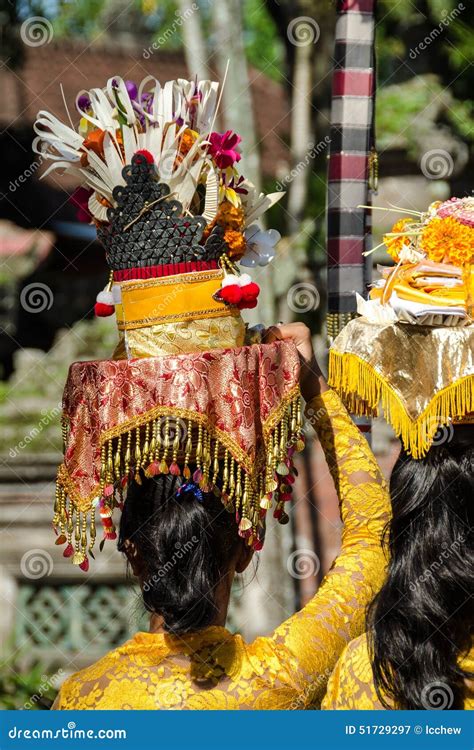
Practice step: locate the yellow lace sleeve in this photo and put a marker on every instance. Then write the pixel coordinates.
(310, 642)
(351, 685)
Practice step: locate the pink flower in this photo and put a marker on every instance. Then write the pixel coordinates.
(223, 148)
(461, 209)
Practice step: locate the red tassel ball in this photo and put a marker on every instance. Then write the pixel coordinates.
(247, 304)
(250, 291)
(231, 294)
(103, 311)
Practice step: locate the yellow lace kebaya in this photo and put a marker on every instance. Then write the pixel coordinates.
(214, 669)
(351, 686)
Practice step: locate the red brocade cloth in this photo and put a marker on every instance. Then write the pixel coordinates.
(238, 395)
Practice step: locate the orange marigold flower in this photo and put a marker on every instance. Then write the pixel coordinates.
(447, 240)
(186, 141)
(235, 241)
(230, 216)
(394, 245)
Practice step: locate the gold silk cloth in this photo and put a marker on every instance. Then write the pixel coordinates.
(175, 314)
(232, 413)
(182, 337)
(422, 376)
(351, 685)
(289, 669)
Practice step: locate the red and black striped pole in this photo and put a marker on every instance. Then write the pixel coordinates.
(352, 160)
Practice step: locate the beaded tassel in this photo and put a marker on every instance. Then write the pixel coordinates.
(174, 468)
(118, 459)
(146, 446)
(138, 456)
(78, 556)
(164, 469)
(188, 449)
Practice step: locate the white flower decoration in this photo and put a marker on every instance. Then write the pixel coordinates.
(260, 246)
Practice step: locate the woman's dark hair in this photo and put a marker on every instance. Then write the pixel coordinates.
(421, 621)
(184, 549)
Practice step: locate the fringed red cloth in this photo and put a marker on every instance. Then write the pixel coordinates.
(230, 419)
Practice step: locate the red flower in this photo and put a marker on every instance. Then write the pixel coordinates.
(223, 148)
(80, 199)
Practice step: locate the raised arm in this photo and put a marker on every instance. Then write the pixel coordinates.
(309, 643)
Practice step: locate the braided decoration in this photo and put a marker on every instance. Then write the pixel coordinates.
(138, 237)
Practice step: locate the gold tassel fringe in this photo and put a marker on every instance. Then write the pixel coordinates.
(169, 444)
(363, 389)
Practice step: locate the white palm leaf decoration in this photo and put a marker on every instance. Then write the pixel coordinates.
(255, 204)
(165, 103)
(114, 163)
(184, 180)
(169, 151)
(184, 183)
(211, 202)
(96, 208)
(154, 121)
(151, 140)
(116, 88)
(56, 141)
(155, 93)
(130, 143)
(103, 111)
(207, 105)
(100, 184)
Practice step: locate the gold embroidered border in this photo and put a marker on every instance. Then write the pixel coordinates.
(178, 317)
(182, 278)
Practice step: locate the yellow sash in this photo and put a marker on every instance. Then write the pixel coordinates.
(170, 299)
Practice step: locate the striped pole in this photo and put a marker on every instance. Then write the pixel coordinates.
(352, 160)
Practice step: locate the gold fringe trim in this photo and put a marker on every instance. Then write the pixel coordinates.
(179, 441)
(363, 389)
